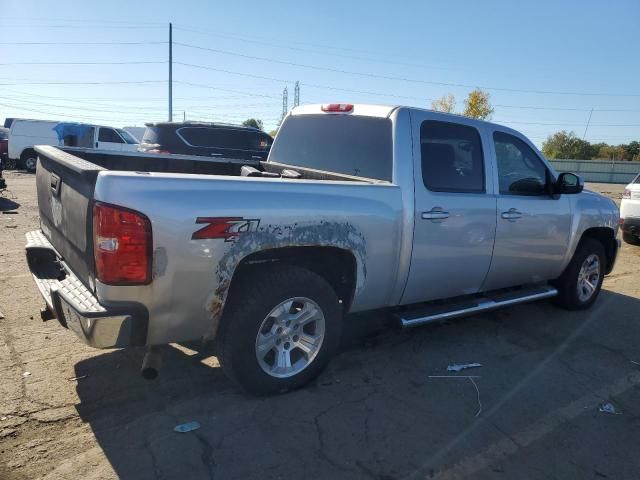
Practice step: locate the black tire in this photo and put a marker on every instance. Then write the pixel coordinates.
(567, 284)
(29, 160)
(9, 164)
(252, 298)
(630, 238)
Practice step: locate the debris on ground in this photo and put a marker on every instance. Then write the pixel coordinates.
(10, 212)
(11, 226)
(1, 315)
(186, 427)
(78, 378)
(26, 374)
(609, 408)
(464, 366)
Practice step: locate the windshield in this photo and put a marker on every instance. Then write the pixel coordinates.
(130, 139)
(353, 145)
(4, 133)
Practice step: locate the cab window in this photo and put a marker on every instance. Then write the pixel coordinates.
(520, 170)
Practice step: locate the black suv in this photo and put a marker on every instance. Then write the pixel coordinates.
(206, 139)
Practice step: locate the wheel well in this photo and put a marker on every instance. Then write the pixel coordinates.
(606, 237)
(336, 265)
(25, 152)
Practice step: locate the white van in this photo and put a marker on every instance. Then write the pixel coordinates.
(25, 134)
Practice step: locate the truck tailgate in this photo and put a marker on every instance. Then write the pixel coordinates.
(65, 185)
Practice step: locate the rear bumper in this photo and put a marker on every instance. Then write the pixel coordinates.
(631, 225)
(75, 306)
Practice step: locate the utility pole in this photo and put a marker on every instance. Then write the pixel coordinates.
(184, 116)
(296, 95)
(285, 103)
(588, 122)
(170, 72)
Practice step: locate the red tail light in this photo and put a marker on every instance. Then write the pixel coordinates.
(337, 108)
(122, 245)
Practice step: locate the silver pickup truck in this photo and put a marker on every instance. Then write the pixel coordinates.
(358, 207)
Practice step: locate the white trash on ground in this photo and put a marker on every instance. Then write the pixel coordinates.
(464, 366)
(186, 427)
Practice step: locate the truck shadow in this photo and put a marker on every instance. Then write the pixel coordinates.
(7, 204)
(374, 413)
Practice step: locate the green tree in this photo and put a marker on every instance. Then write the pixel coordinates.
(632, 150)
(273, 133)
(612, 152)
(252, 122)
(566, 145)
(445, 103)
(477, 105)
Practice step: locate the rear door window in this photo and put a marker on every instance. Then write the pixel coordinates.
(451, 157)
(109, 135)
(348, 144)
(208, 137)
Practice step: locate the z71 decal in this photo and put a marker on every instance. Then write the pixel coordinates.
(227, 228)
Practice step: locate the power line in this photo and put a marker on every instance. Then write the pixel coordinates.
(201, 85)
(123, 82)
(365, 92)
(85, 63)
(85, 26)
(83, 108)
(401, 79)
(64, 115)
(80, 43)
(307, 50)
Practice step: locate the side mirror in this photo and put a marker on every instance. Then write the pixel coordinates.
(569, 183)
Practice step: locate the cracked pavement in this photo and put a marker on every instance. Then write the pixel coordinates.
(373, 414)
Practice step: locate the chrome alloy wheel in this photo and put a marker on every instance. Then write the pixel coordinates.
(290, 337)
(588, 277)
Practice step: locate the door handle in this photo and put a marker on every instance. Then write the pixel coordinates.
(435, 214)
(511, 214)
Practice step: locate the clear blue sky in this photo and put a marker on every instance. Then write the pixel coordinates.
(517, 50)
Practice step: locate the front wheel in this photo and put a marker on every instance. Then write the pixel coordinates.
(580, 284)
(280, 328)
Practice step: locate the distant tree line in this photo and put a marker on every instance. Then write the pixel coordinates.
(566, 145)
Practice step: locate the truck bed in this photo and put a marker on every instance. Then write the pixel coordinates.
(66, 181)
(147, 162)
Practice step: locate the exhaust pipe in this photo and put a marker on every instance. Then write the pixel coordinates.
(151, 364)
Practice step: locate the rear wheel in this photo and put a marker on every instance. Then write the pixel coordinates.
(30, 160)
(280, 328)
(580, 284)
(630, 238)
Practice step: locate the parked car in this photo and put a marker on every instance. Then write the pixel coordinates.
(4, 149)
(206, 139)
(25, 134)
(630, 212)
(358, 207)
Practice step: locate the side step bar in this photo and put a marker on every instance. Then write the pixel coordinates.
(439, 312)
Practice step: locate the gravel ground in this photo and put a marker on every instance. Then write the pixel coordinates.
(68, 411)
